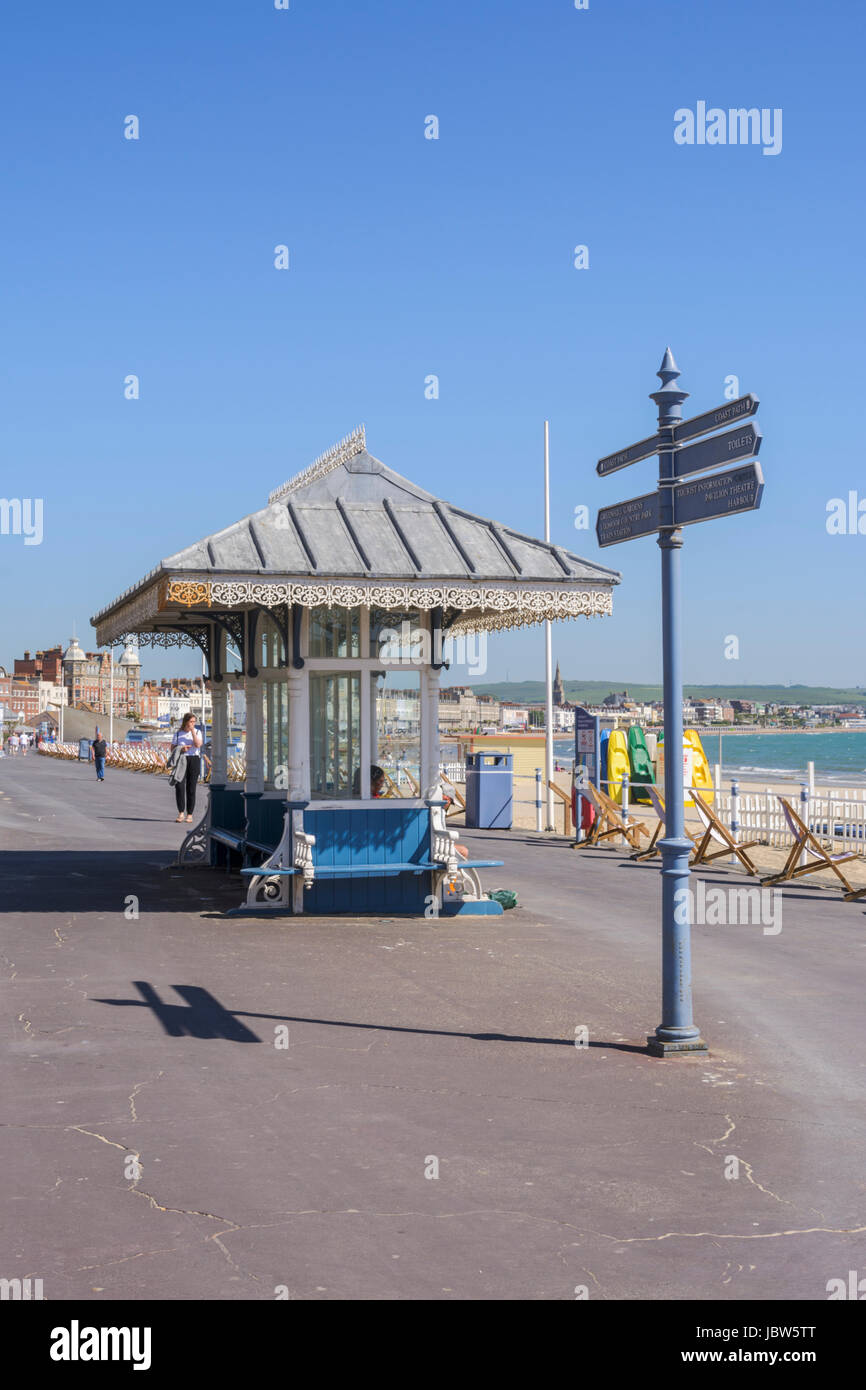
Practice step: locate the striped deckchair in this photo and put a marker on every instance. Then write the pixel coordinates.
(659, 808)
(608, 821)
(716, 831)
(805, 843)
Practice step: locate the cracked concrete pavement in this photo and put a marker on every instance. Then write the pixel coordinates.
(142, 1063)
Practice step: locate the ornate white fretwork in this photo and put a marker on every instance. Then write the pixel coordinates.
(485, 606)
(352, 444)
(453, 882)
(137, 610)
(275, 891)
(195, 850)
(480, 607)
(150, 639)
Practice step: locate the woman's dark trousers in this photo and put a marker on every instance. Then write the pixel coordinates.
(185, 791)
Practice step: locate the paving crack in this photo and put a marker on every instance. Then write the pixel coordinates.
(735, 1235)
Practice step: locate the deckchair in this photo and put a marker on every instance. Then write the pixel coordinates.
(805, 843)
(608, 820)
(714, 829)
(659, 808)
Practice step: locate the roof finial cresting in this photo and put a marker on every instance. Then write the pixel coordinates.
(347, 448)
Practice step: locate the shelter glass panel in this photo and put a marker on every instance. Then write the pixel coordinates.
(275, 715)
(398, 730)
(399, 635)
(335, 632)
(335, 735)
(270, 642)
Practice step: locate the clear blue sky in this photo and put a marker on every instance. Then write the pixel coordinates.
(410, 257)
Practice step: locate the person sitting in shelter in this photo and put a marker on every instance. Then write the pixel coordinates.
(377, 781)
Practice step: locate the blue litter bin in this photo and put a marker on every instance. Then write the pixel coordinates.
(489, 790)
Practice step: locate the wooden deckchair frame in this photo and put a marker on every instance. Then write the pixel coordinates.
(459, 803)
(608, 816)
(718, 831)
(805, 842)
(658, 806)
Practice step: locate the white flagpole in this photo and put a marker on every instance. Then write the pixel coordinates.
(548, 643)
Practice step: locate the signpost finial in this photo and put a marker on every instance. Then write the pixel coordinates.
(670, 398)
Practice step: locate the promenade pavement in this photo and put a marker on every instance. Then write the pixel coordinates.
(158, 1144)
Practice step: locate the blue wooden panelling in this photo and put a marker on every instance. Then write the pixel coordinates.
(265, 820)
(228, 811)
(369, 835)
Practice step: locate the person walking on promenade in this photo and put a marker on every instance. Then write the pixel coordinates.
(188, 741)
(12, 744)
(23, 744)
(100, 751)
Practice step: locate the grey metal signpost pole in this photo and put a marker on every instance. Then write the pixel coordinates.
(677, 1031)
(681, 500)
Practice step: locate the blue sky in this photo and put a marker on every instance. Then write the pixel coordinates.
(452, 257)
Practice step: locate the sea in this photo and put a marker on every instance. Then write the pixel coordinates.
(839, 757)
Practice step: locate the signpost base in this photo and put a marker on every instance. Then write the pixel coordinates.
(666, 1047)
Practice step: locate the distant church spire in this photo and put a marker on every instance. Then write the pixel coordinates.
(558, 692)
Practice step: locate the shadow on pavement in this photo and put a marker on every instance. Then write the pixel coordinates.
(99, 880)
(203, 1016)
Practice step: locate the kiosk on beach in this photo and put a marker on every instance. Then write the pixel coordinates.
(297, 605)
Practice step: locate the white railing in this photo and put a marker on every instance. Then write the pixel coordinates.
(837, 818)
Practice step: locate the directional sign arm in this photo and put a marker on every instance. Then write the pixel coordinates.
(644, 449)
(740, 443)
(719, 494)
(727, 414)
(640, 516)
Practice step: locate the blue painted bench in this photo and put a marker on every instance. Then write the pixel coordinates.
(369, 859)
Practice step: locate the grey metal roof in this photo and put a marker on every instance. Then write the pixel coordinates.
(350, 517)
(361, 519)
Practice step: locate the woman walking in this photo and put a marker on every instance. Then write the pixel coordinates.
(188, 741)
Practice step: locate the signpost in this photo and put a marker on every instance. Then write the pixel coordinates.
(676, 504)
(740, 409)
(633, 454)
(639, 517)
(741, 443)
(720, 494)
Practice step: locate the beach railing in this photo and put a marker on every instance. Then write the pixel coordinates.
(837, 818)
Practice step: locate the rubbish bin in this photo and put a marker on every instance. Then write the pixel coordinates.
(489, 790)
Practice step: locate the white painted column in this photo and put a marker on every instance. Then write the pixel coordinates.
(255, 778)
(297, 788)
(374, 724)
(364, 729)
(219, 732)
(429, 771)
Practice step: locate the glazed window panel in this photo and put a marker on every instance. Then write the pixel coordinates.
(270, 642)
(398, 634)
(335, 735)
(335, 632)
(275, 715)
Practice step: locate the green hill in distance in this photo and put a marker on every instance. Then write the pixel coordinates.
(593, 692)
